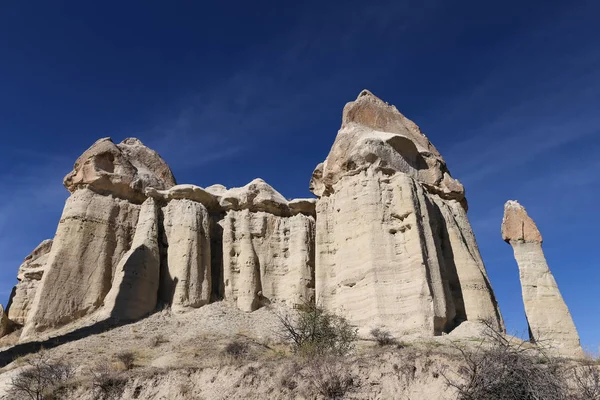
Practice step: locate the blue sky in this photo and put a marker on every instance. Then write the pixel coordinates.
(230, 91)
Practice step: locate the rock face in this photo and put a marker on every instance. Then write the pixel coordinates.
(186, 280)
(135, 284)
(547, 314)
(4, 323)
(387, 242)
(29, 276)
(95, 231)
(394, 247)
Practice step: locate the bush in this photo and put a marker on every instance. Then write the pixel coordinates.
(39, 377)
(330, 377)
(502, 369)
(107, 383)
(313, 331)
(236, 349)
(383, 338)
(587, 382)
(127, 358)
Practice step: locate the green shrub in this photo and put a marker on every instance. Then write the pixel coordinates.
(314, 331)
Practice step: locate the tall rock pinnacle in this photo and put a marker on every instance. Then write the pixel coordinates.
(547, 314)
(394, 247)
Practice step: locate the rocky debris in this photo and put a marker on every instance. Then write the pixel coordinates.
(394, 248)
(548, 316)
(267, 258)
(135, 285)
(29, 276)
(122, 170)
(186, 270)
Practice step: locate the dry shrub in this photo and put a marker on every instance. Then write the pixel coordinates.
(330, 377)
(107, 383)
(315, 332)
(587, 382)
(502, 368)
(157, 340)
(237, 349)
(39, 377)
(383, 338)
(127, 358)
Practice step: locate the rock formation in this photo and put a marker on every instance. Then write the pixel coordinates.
(29, 276)
(387, 242)
(394, 247)
(134, 289)
(95, 230)
(547, 314)
(4, 322)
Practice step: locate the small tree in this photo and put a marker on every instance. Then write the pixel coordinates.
(314, 331)
(39, 377)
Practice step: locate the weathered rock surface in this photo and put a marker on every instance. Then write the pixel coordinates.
(547, 314)
(4, 322)
(375, 135)
(134, 290)
(123, 170)
(93, 234)
(29, 276)
(267, 258)
(394, 247)
(186, 270)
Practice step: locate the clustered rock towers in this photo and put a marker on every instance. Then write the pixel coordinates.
(387, 240)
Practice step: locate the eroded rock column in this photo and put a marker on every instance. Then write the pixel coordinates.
(548, 316)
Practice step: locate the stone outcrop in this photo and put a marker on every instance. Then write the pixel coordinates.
(122, 170)
(29, 276)
(95, 231)
(186, 278)
(547, 314)
(387, 241)
(135, 284)
(4, 323)
(394, 247)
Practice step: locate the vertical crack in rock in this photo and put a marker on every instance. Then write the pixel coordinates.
(135, 285)
(548, 316)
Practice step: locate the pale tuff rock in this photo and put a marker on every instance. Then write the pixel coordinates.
(93, 234)
(186, 271)
(4, 323)
(303, 206)
(394, 248)
(267, 258)
(135, 285)
(547, 314)
(187, 192)
(29, 276)
(375, 135)
(255, 196)
(517, 225)
(123, 170)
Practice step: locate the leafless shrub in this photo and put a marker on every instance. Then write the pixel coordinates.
(127, 358)
(587, 382)
(107, 383)
(313, 331)
(330, 377)
(157, 340)
(39, 377)
(383, 338)
(236, 349)
(501, 368)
